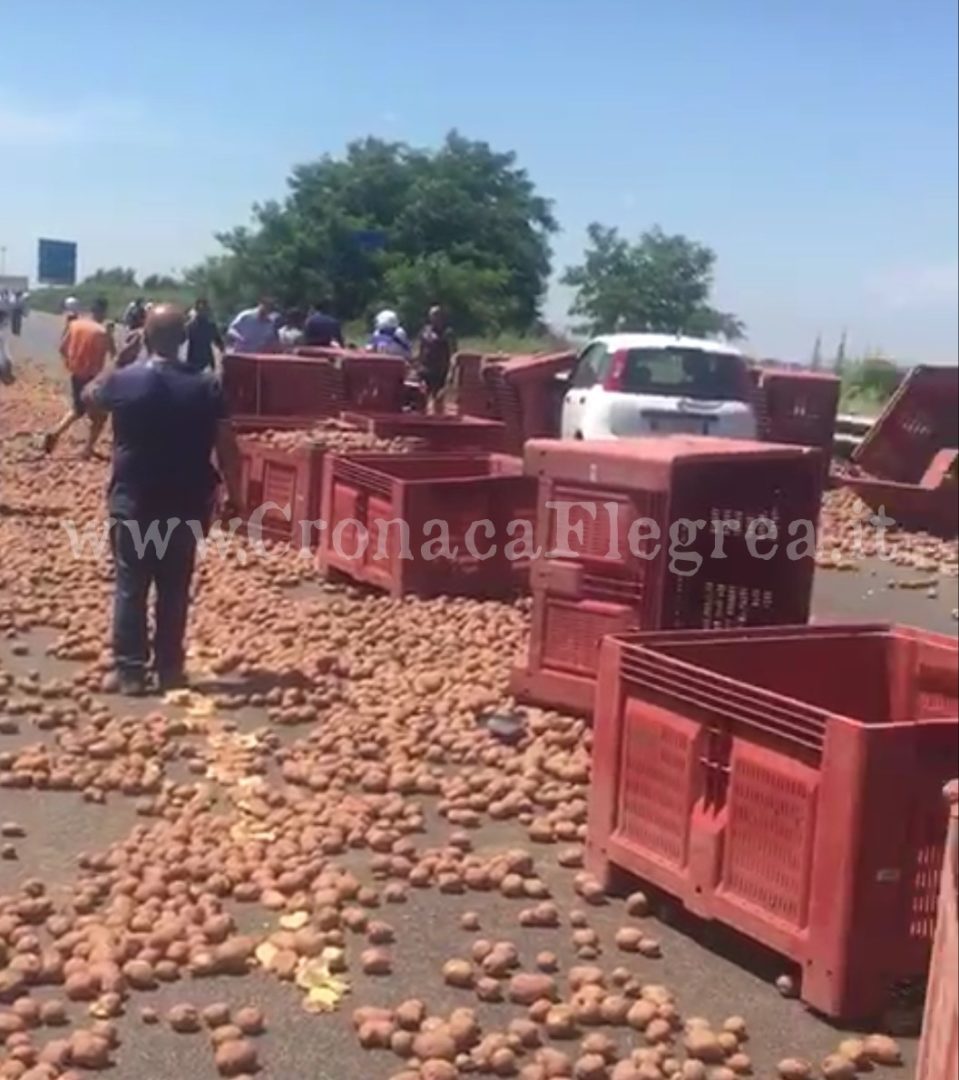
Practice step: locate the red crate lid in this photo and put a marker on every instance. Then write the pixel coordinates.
(536, 366)
(790, 375)
(646, 462)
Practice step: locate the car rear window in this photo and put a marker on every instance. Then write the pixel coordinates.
(690, 373)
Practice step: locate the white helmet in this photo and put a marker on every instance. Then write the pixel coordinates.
(71, 305)
(386, 321)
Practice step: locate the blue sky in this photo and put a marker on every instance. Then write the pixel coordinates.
(812, 144)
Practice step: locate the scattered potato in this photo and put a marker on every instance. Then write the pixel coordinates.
(882, 1050)
(794, 1069)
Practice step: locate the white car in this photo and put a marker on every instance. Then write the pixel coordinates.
(627, 385)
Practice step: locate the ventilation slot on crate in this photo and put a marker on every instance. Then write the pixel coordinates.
(772, 820)
(657, 789)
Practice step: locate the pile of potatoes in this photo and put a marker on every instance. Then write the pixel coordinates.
(337, 436)
(371, 714)
(847, 534)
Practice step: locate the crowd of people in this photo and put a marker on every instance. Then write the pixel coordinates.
(155, 375)
(264, 329)
(90, 342)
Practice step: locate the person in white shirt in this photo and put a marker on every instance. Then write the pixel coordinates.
(291, 332)
(254, 330)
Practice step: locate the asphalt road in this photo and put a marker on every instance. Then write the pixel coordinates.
(303, 1047)
(713, 977)
(39, 340)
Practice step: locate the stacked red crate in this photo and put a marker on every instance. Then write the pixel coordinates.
(276, 389)
(369, 381)
(663, 533)
(527, 393)
(798, 407)
(472, 394)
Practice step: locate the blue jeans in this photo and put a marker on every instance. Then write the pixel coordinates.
(141, 562)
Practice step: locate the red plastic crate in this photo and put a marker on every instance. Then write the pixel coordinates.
(251, 425)
(931, 505)
(368, 381)
(572, 612)
(535, 367)
(277, 386)
(921, 418)
(939, 1045)
(785, 782)
(528, 393)
(472, 394)
(799, 407)
(700, 478)
(241, 384)
(283, 490)
(364, 492)
(662, 481)
(507, 406)
(437, 432)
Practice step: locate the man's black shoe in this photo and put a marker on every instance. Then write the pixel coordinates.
(131, 684)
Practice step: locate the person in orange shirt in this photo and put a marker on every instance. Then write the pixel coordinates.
(86, 345)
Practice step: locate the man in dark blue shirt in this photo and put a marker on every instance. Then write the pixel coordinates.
(167, 422)
(321, 330)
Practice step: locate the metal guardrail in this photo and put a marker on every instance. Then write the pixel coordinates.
(853, 424)
(851, 429)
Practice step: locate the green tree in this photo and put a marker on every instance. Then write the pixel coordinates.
(157, 282)
(661, 283)
(871, 380)
(115, 275)
(395, 225)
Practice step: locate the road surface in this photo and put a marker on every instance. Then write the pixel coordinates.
(39, 340)
(299, 1046)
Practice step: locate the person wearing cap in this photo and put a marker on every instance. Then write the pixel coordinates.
(388, 336)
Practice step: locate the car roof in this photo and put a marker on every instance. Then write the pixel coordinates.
(615, 342)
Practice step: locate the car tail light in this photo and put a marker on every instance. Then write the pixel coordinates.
(616, 376)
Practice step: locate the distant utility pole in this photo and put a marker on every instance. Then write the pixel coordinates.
(3, 260)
